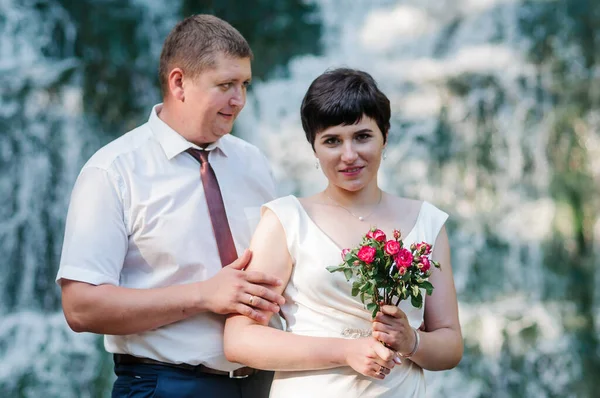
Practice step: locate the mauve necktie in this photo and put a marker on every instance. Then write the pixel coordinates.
(216, 208)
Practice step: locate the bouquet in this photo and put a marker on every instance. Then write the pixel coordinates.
(384, 269)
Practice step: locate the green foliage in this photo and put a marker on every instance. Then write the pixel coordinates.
(387, 272)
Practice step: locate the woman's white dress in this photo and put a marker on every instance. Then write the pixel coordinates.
(319, 303)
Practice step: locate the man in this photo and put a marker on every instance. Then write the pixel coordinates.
(144, 240)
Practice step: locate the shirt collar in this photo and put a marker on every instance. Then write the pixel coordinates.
(172, 142)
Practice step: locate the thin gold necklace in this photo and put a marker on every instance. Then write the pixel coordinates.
(360, 218)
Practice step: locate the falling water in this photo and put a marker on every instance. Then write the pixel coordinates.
(476, 130)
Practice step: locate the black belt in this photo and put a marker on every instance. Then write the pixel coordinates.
(124, 359)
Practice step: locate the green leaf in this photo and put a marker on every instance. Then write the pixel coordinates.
(348, 273)
(355, 289)
(334, 268)
(417, 301)
(374, 308)
(428, 287)
(374, 312)
(365, 286)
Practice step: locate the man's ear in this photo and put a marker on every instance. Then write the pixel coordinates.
(176, 84)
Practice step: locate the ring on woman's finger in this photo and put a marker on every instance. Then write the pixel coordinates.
(381, 368)
(251, 301)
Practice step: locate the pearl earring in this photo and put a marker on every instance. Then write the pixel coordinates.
(383, 155)
(317, 164)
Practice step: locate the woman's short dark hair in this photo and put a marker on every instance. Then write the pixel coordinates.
(194, 43)
(342, 97)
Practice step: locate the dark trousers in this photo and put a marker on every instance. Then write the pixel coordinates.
(156, 381)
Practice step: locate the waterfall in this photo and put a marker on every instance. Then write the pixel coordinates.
(478, 128)
(472, 124)
(43, 138)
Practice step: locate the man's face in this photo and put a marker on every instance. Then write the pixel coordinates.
(215, 97)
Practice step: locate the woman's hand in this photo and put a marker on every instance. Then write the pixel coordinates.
(392, 328)
(369, 357)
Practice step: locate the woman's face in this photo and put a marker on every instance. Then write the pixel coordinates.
(350, 155)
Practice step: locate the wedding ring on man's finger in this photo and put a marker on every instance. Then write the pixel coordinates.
(251, 301)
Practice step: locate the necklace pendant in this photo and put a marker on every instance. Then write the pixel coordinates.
(361, 219)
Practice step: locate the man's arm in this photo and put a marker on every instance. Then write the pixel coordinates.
(109, 309)
(94, 249)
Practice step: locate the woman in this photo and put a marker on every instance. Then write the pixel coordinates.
(331, 347)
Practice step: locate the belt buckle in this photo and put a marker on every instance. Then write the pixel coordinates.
(232, 375)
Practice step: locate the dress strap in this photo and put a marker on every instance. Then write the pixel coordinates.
(287, 211)
(432, 221)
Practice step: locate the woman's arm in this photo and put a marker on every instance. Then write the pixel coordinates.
(441, 344)
(257, 345)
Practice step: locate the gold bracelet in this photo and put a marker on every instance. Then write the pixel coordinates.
(415, 348)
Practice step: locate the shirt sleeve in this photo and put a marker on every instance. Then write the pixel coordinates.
(271, 184)
(96, 238)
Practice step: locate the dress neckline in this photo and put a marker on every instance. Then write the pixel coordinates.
(334, 243)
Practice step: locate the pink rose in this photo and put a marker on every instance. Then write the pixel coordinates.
(344, 253)
(378, 235)
(425, 264)
(402, 271)
(397, 234)
(404, 258)
(424, 248)
(392, 247)
(366, 254)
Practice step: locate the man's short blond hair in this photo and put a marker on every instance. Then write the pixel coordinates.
(194, 43)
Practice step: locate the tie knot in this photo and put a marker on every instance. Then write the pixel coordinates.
(199, 155)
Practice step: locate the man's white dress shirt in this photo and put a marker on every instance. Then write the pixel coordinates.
(138, 219)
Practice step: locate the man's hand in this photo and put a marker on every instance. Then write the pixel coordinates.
(233, 290)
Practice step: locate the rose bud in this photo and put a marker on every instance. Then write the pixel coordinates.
(377, 234)
(424, 264)
(345, 253)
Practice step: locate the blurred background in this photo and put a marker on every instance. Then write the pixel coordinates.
(495, 120)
